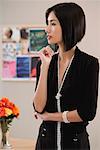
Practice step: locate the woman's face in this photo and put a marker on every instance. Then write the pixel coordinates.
(53, 30)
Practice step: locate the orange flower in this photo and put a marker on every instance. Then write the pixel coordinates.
(8, 108)
(15, 111)
(2, 112)
(8, 112)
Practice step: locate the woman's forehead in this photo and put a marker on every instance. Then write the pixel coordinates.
(52, 17)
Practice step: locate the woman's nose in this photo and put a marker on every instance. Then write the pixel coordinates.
(47, 29)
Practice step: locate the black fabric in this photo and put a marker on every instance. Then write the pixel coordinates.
(79, 91)
(70, 140)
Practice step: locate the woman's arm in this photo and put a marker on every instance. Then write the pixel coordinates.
(89, 95)
(40, 95)
(72, 116)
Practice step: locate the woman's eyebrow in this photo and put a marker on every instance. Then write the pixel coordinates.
(52, 20)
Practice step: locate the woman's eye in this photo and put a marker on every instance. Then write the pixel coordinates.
(53, 24)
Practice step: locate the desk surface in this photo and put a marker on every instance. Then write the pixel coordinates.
(22, 144)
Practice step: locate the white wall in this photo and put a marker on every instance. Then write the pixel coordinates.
(31, 12)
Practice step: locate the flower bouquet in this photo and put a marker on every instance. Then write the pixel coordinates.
(8, 111)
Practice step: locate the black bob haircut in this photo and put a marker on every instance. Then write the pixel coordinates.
(72, 20)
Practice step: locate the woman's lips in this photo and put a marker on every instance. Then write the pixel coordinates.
(49, 37)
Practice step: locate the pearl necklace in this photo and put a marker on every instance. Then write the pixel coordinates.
(62, 82)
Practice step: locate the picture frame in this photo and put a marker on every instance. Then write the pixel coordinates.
(20, 45)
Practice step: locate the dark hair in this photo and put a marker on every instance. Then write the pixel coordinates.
(10, 33)
(24, 33)
(72, 20)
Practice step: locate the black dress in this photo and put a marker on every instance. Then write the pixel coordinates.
(79, 91)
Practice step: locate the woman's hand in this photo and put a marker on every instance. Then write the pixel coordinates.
(44, 116)
(45, 55)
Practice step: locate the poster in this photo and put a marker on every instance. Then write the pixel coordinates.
(23, 67)
(19, 47)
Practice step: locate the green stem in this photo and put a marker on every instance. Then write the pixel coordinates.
(4, 131)
(4, 139)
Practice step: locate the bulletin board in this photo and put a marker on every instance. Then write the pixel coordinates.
(19, 48)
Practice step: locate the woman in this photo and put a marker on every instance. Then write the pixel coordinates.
(67, 83)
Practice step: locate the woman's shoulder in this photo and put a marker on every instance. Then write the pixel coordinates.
(54, 57)
(87, 57)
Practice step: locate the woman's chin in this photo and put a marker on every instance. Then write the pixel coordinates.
(51, 42)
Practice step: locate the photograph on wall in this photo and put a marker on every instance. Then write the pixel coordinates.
(11, 34)
(9, 69)
(20, 45)
(24, 41)
(34, 61)
(37, 39)
(23, 67)
(9, 51)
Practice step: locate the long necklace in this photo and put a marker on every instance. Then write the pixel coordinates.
(58, 102)
(62, 82)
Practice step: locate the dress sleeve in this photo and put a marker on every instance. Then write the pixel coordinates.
(88, 102)
(37, 78)
(37, 73)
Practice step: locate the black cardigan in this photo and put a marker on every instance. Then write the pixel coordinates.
(80, 89)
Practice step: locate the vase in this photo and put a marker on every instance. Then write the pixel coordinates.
(0, 135)
(4, 144)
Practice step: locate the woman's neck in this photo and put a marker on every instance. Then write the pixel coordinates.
(66, 55)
